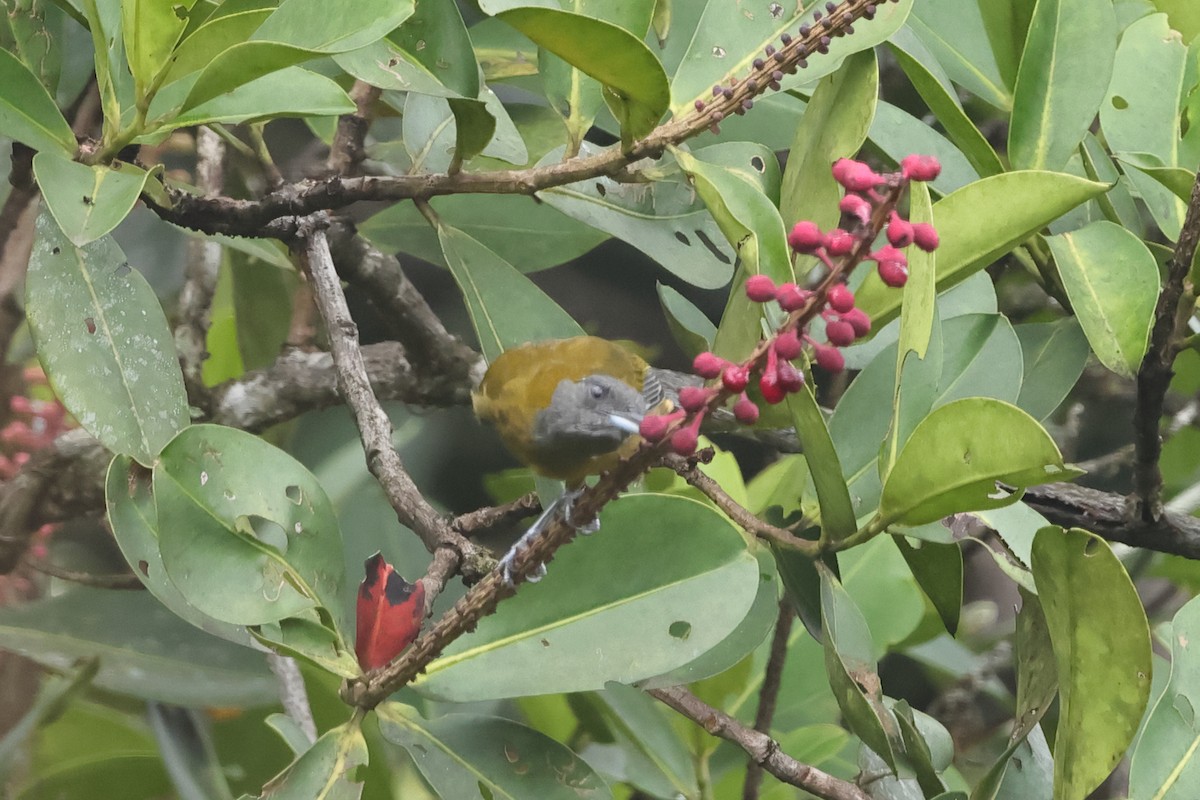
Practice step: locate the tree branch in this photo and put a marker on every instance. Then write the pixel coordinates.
(768, 694)
(1154, 375)
(761, 748)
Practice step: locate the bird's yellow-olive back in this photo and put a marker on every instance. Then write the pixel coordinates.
(521, 384)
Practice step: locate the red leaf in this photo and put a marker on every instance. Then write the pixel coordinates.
(390, 610)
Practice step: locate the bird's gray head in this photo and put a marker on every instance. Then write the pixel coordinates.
(592, 415)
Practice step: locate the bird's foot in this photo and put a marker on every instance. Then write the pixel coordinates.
(568, 500)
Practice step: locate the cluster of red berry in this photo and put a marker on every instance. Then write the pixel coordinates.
(839, 250)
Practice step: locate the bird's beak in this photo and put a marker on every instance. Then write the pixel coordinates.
(626, 423)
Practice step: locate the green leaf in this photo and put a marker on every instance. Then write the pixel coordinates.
(328, 770)
(247, 534)
(216, 35)
(87, 202)
(1102, 646)
(837, 512)
(103, 340)
(852, 670)
(670, 606)
(750, 223)
(885, 590)
(690, 327)
(656, 755)
(898, 133)
(834, 126)
(955, 33)
(462, 755)
(1163, 763)
(54, 696)
(151, 29)
(1111, 279)
(291, 92)
(133, 518)
(28, 113)
(1063, 77)
(505, 307)
(392, 68)
(1136, 121)
(436, 38)
(144, 650)
(938, 569)
(1055, 354)
(955, 457)
(637, 86)
(664, 220)
(1015, 205)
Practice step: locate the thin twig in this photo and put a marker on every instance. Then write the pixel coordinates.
(1154, 375)
(292, 694)
(347, 151)
(761, 748)
(488, 517)
(768, 693)
(126, 580)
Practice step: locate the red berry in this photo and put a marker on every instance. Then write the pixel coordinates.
(654, 427)
(684, 441)
(791, 297)
(790, 378)
(787, 345)
(920, 168)
(899, 231)
(768, 384)
(760, 288)
(735, 377)
(805, 237)
(855, 175)
(925, 236)
(693, 398)
(840, 298)
(839, 332)
(893, 273)
(858, 320)
(840, 242)
(708, 365)
(856, 207)
(828, 358)
(745, 411)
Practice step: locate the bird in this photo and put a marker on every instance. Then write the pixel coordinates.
(567, 408)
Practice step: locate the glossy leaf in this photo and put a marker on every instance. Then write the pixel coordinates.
(1134, 120)
(837, 512)
(956, 35)
(1015, 204)
(897, 134)
(1064, 76)
(390, 67)
(27, 112)
(954, 458)
(1054, 354)
(103, 341)
(215, 35)
(246, 533)
(1111, 279)
(144, 650)
(668, 607)
(87, 202)
(834, 126)
(886, 591)
(658, 758)
(506, 308)
(692, 330)
(1163, 763)
(1102, 645)
(462, 755)
(938, 569)
(152, 29)
(638, 90)
(435, 37)
(852, 671)
(326, 771)
(133, 518)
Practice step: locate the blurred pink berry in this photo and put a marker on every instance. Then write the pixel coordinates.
(760, 288)
(693, 398)
(839, 242)
(899, 231)
(768, 384)
(684, 440)
(859, 321)
(841, 299)
(920, 168)
(925, 236)
(708, 365)
(839, 332)
(805, 237)
(893, 273)
(654, 427)
(829, 358)
(791, 297)
(745, 411)
(735, 377)
(787, 345)
(790, 378)
(856, 207)
(855, 175)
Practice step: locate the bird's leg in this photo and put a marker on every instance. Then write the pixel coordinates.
(562, 505)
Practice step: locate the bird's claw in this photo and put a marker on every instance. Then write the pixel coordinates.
(509, 577)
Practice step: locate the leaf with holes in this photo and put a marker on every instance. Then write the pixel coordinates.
(87, 202)
(247, 534)
(466, 755)
(651, 604)
(103, 340)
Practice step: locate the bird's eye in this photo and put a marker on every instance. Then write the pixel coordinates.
(598, 390)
